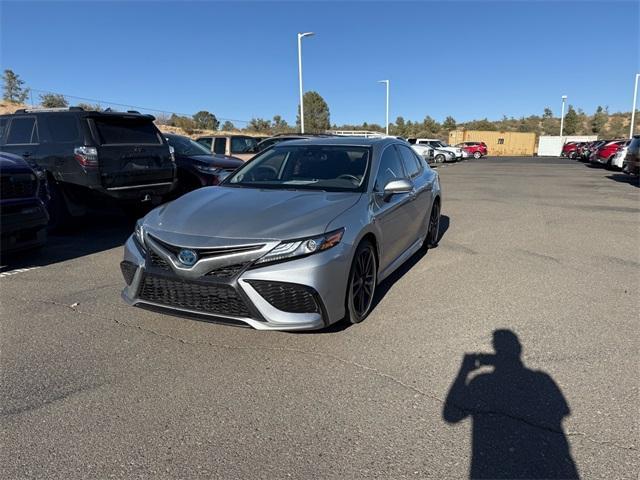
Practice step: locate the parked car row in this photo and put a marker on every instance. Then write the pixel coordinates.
(90, 159)
(617, 153)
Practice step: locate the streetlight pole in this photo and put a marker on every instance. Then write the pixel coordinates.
(300, 37)
(564, 99)
(387, 124)
(633, 108)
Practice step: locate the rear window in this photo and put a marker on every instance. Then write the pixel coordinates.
(121, 130)
(243, 144)
(3, 127)
(63, 128)
(22, 131)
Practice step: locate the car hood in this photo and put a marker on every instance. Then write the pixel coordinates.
(239, 214)
(10, 163)
(220, 161)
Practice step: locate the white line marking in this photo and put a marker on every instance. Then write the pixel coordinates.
(16, 271)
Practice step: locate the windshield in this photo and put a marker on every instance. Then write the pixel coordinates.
(308, 167)
(186, 146)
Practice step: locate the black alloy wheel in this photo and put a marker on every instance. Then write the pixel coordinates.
(362, 283)
(434, 226)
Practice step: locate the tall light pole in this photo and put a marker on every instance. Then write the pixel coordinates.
(633, 108)
(387, 124)
(564, 99)
(300, 37)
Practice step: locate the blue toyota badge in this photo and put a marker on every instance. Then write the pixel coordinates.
(187, 257)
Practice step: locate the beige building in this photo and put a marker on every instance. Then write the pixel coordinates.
(498, 143)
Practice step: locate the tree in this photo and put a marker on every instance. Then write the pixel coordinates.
(259, 125)
(449, 124)
(430, 126)
(571, 121)
(316, 113)
(599, 120)
(206, 120)
(185, 123)
(280, 125)
(617, 128)
(399, 128)
(89, 107)
(12, 87)
(53, 100)
(547, 113)
(227, 126)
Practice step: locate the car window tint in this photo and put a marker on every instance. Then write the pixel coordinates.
(206, 142)
(63, 128)
(3, 127)
(243, 144)
(409, 161)
(22, 130)
(390, 168)
(121, 130)
(220, 146)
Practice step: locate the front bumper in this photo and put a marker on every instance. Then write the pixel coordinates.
(23, 224)
(302, 294)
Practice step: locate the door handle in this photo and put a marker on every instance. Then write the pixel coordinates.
(26, 154)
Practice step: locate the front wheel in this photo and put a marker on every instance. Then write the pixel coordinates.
(477, 155)
(439, 158)
(362, 283)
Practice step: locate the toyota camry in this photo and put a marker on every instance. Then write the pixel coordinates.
(297, 238)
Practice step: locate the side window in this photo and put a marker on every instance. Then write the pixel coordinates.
(3, 128)
(205, 142)
(22, 130)
(220, 146)
(390, 168)
(411, 165)
(63, 128)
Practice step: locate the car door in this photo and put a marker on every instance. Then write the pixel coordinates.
(392, 215)
(21, 137)
(420, 207)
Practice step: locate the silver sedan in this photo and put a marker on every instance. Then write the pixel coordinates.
(298, 238)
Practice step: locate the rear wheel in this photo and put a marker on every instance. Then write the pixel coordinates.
(477, 155)
(362, 282)
(59, 215)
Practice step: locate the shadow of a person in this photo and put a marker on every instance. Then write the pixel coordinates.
(517, 415)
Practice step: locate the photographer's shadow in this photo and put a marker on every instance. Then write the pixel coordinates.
(516, 412)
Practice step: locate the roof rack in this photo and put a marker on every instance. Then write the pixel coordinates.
(57, 109)
(356, 133)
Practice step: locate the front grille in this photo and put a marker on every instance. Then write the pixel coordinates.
(208, 252)
(288, 297)
(227, 272)
(213, 299)
(18, 186)
(157, 261)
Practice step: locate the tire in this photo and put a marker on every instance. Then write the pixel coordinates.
(477, 155)
(59, 215)
(439, 158)
(433, 231)
(609, 165)
(361, 287)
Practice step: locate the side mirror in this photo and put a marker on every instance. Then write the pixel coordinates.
(401, 185)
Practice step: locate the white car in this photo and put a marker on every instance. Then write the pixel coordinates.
(432, 155)
(457, 152)
(618, 158)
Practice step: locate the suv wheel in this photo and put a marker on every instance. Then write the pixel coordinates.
(362, 283)
(477, 155)
(58, 212)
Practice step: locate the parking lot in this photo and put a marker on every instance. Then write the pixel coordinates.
(546, 249)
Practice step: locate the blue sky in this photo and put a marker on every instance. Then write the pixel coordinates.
(239, 59)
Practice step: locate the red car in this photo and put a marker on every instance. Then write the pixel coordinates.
(606, 152)
(475, 149)
(569, 149)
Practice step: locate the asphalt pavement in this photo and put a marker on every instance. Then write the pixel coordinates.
(539, 258)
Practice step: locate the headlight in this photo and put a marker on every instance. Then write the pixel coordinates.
(139, 234)
(304, 247)
(208, 169)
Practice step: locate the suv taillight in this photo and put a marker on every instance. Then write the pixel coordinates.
(86, 156)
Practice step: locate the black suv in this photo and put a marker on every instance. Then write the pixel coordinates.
(90, 157)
